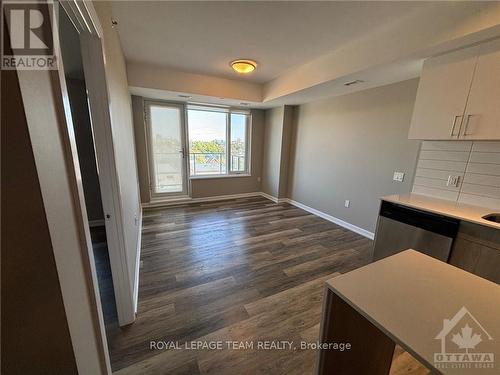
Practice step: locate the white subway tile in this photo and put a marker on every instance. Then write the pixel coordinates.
(456, 166)
(485, 191)
(491, 169)
(476, 200)
(477, 163)
(485, 146)
(482, 179)
(435, 173)
(437, 193)
(434, 183)
(445, 155)
(447, 145)
(485, 157)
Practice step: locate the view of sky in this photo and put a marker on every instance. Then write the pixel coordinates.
(209, 126)
(165, 121)
(202, 125)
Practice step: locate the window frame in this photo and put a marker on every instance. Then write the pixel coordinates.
(150, 149)
(248, 132)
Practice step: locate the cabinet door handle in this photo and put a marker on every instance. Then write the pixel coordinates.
(453, 125)
(467, 124)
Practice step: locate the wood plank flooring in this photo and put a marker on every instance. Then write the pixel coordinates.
(242, 270)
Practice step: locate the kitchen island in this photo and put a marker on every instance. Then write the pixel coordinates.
(445, 317)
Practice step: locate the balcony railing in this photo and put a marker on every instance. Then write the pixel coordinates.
(168, 172)
(208, 163)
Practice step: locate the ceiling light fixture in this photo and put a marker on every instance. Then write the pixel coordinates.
(243, 66)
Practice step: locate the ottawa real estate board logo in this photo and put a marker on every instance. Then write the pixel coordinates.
(465, 344)
(29, 42)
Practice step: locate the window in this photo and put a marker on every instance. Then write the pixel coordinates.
(218, 141)
(238, 131)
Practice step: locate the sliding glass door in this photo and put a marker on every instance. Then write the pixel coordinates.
(166, 149)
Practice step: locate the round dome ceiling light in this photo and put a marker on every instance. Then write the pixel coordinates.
(243, 66)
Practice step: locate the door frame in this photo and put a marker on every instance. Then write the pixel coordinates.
(48, 116)
(186, 191)
(86, 21)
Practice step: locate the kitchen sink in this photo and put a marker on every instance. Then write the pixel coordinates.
(492, 217)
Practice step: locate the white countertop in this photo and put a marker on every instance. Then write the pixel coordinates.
(453, 209)
(408, 296)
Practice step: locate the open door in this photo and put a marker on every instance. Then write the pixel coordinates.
(90, 55)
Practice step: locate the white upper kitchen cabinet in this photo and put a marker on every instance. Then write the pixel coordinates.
(482, 114)
(442, 95)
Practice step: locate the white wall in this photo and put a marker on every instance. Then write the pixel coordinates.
(123, 140)
(152, 77)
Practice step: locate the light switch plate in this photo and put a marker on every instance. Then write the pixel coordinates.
(399, 176)
(347, 203)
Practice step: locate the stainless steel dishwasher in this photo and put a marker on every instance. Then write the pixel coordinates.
(400, 228)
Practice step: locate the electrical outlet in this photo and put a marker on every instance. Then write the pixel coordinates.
(398, 176)
(453, 180)
(347, 203)
(141, 264)
(136, 220)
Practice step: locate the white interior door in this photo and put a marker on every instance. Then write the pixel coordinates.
(166, 149)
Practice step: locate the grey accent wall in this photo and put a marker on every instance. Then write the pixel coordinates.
(286, 141)
(348, 147)
(272, 151)
(277, 141)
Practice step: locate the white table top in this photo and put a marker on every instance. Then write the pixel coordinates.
(453, 209)
(409, 295)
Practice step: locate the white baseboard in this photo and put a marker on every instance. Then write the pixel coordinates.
(137, 263)
(314, 211)
(166, 203)
(325, 216)
(270, 197)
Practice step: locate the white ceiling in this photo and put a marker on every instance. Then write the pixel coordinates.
(306, 50)
(203, 37)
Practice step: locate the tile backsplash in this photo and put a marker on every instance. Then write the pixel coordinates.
(476, 164)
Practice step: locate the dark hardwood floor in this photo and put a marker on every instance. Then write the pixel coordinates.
(243, 270)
